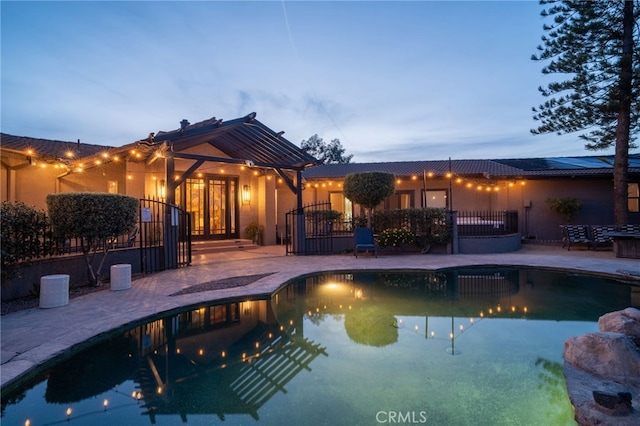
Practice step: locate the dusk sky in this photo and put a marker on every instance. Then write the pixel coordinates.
(394, 81)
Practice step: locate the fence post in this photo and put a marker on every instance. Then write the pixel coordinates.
(453, 220)
(170, 234)
(300, 233)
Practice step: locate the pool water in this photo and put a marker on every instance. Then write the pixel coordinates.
(461, 347)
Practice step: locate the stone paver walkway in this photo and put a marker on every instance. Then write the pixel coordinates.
(31, 337)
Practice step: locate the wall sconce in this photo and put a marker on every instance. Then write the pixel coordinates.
(246, 194)
(163, 192)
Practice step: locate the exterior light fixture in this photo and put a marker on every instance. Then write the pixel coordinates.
(163, 190)
(246, 194)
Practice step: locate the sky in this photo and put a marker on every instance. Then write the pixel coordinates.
(393, 81)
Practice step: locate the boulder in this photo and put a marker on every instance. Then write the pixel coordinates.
(612, 355)
(602, 371)
(626, 321)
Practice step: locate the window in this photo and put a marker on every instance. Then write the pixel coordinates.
(112, 186)
(342, 204)
(436, 198)
(634, 197)
(399, 200)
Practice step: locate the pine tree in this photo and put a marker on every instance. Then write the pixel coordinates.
(326, 153)
(595, 45)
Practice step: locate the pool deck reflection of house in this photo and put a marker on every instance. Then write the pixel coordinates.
(31, 337)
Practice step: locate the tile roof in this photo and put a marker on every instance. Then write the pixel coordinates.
(509, 168)
(49, 149)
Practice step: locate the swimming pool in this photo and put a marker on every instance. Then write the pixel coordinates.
(466, 346)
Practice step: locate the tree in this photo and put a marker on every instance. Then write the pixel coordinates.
(331, 152)
(594, 45)
(567, 207)
(369, 189)
(94, 218)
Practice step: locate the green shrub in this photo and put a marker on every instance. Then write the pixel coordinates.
(25, 235)
(323, 214)
(395, 237)
(253, 232)
(429, 224)
(94, 219)
(358, 222)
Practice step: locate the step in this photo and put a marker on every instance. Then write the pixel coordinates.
(216, 246)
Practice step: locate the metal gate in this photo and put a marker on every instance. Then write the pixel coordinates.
(310, 230)
(165, 236)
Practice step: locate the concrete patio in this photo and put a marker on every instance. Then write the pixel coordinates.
(34, 336)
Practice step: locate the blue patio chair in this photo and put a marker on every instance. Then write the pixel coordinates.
(364, 241)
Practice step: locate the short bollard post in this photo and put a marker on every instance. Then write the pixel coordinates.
(54, 290)
(121, 276)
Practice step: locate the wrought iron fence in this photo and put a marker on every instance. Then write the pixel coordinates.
(311, 229)
(476, 223)
(165, 236)
(148, 236)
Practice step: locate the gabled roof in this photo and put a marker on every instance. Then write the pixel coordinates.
(49, 149)
(510, 168)
(243, 138)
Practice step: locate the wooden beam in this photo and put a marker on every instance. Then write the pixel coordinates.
(287, 180)
(190, 156)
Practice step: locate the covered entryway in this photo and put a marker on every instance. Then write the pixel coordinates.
(224, 174)
(212, 204)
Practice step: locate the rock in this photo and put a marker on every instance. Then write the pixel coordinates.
(602, 371)
(612, 355)
(626, 321)
(618, 404)
(587, 411)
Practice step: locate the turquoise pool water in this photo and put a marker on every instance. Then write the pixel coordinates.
(462, 347)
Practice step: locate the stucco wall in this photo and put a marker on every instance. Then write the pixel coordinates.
(528, 197)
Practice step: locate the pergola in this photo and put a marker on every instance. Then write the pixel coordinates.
(244, 140)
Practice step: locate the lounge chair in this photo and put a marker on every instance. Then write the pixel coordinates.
(364, 241)
(598, 239)
(575, 234)
(635, 228)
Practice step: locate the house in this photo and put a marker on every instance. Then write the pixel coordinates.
(228, 174)
(521, 185)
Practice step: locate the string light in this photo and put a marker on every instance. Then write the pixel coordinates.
(468, 183)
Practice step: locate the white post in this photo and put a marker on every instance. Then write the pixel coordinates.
(121, 276)
(54, 290)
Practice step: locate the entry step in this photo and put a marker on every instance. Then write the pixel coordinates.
(215, 246)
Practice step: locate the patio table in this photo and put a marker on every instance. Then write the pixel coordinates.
(625, 244)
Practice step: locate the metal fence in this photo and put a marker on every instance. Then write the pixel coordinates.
(159, 250)
(165, 236)
(311, 229)
(480, 223)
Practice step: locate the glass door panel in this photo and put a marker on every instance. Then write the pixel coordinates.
(231, 207)
(194, 204)
(217, 207)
